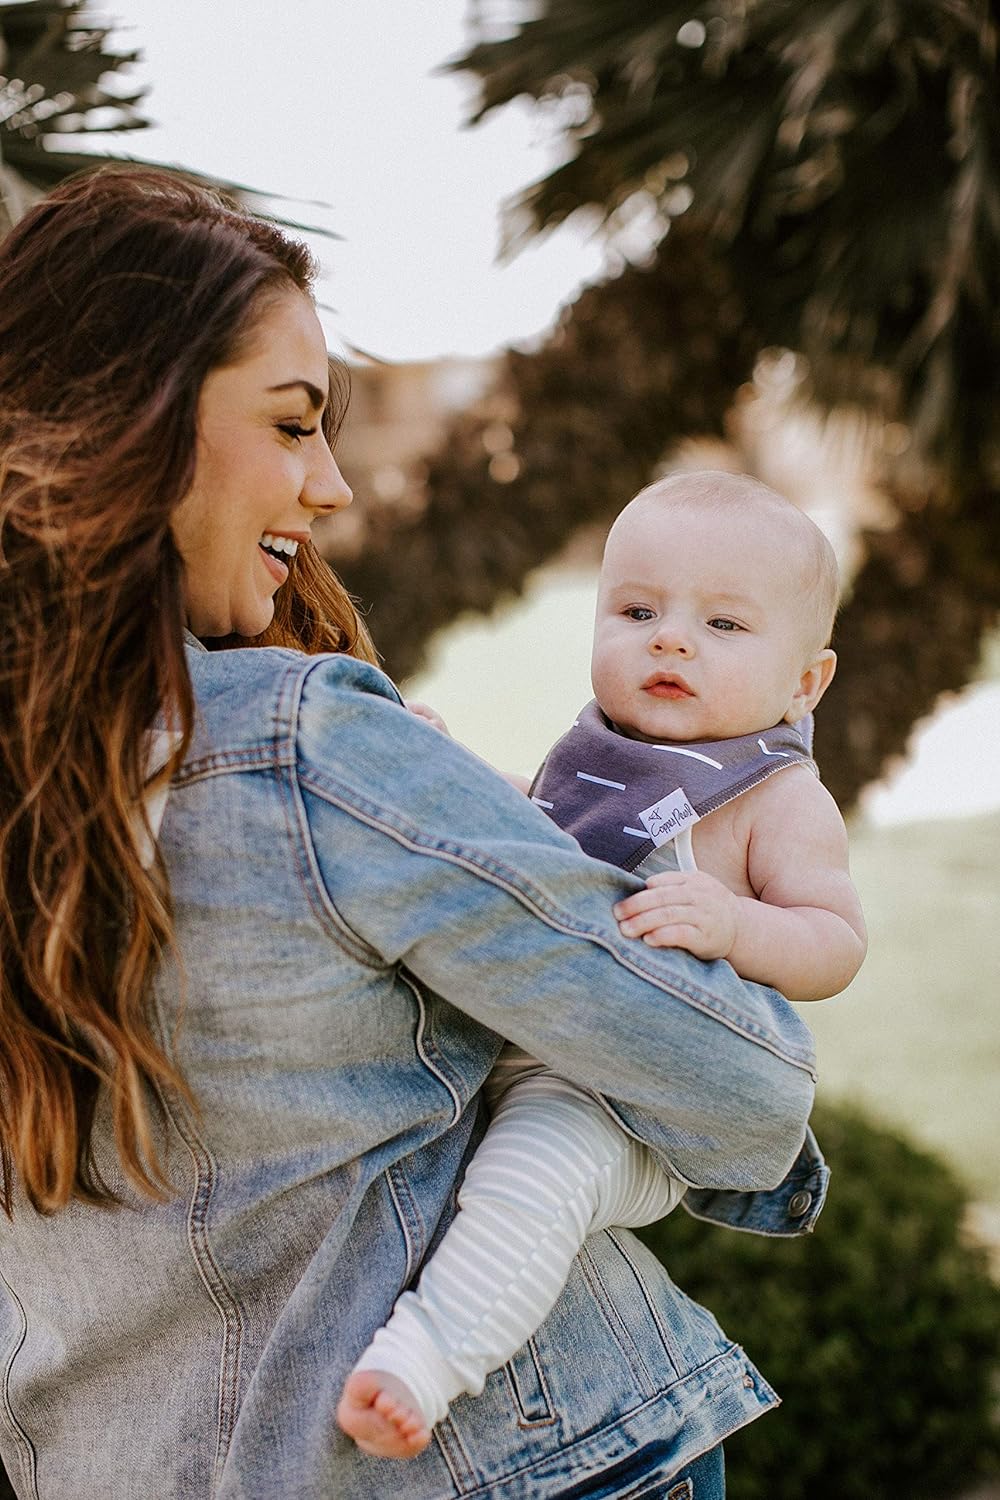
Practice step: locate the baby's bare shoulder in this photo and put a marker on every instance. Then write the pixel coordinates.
(794, 806)
(793, 825)
(795, 791)
(777, 826)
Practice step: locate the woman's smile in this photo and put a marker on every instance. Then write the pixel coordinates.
(275, 546)
(264, 472)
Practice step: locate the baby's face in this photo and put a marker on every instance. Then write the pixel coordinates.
(704, 630)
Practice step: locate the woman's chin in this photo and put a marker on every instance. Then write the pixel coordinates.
(252, 622)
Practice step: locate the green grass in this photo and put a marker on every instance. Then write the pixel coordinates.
(916, 1037)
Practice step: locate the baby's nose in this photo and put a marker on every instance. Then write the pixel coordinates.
(671, 638)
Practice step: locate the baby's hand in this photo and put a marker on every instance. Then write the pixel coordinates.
(679, 910)
(423, 711)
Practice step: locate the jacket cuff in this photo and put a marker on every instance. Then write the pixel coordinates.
(790, 1209)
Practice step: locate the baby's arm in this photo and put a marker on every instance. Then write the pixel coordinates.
(802, 932)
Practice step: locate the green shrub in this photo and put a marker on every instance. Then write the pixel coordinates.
(881, 1330)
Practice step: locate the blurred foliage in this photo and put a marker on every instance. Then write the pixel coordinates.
(881, 1332)
(583, 421)
(837, 165)
(56, 72)
(63, 81)
(921, 605)
(846, 152)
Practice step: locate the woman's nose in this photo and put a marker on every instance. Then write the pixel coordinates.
(325, 488)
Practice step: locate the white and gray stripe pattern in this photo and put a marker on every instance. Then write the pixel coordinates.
(552, 1168)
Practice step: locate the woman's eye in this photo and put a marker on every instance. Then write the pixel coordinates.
(638, 612)
(293, 430)
(720, 624)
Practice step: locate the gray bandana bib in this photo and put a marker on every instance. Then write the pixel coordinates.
(622, 798)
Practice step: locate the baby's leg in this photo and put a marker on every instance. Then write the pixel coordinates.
(551, 1169)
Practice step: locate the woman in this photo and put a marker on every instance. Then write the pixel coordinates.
(241, 1051)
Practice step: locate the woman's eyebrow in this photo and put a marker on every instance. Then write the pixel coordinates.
(317, 398)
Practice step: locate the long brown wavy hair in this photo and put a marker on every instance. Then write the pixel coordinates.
(119, 292)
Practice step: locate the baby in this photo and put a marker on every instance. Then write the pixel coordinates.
(715, 607)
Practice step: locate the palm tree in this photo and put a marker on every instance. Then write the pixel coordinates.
(58, 76)
(835, 163)
(63, 80)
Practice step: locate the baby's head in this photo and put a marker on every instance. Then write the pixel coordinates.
(714, 611)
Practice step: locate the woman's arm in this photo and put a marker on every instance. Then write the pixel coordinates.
(433, 862)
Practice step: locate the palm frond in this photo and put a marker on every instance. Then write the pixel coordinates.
(56, 65)
(63, 82)
(845, 152)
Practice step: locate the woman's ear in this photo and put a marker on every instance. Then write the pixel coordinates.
(812, 685)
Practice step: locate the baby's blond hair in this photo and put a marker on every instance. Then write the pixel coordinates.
(718, 490)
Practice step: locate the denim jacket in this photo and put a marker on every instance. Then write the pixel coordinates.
(363, 910)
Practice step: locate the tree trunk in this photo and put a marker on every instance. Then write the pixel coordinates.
(634, 364)
(913, 629)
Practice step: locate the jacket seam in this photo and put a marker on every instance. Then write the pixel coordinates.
(411, 1222)
(617, 1325)
(455, 1455)
(26, 1448)
(508, 880)
(258, 757)
(673, 1353)
(220, 1293)
(310, 879)
(419, 1038)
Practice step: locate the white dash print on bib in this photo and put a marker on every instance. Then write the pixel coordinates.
(665, 819)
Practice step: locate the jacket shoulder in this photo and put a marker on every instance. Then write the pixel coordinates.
(248, 700)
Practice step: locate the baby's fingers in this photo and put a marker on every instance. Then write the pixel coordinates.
(651, 917)
(677, 935)
(653, 898)
(425, 712)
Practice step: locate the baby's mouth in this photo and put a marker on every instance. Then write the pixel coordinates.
(667, 685)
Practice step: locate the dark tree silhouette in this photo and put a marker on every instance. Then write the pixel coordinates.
(835, 162)
(651, 357)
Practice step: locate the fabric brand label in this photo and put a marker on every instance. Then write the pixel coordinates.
(665, 819)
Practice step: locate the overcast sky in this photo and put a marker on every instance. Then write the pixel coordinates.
(337, 100)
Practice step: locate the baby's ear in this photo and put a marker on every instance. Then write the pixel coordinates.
(812, 685)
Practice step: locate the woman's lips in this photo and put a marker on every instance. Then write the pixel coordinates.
(277, 570)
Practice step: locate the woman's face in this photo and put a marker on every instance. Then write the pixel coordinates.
(263, 472)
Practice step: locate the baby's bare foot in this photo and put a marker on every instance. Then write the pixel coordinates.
(378, 1411)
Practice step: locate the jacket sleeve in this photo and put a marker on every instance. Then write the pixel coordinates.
(436, 864)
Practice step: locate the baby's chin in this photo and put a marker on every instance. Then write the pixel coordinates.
(650, 735)
(648, 732)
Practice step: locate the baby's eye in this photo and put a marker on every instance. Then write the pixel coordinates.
(293, 430)
(639, 612)
(720, 623)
